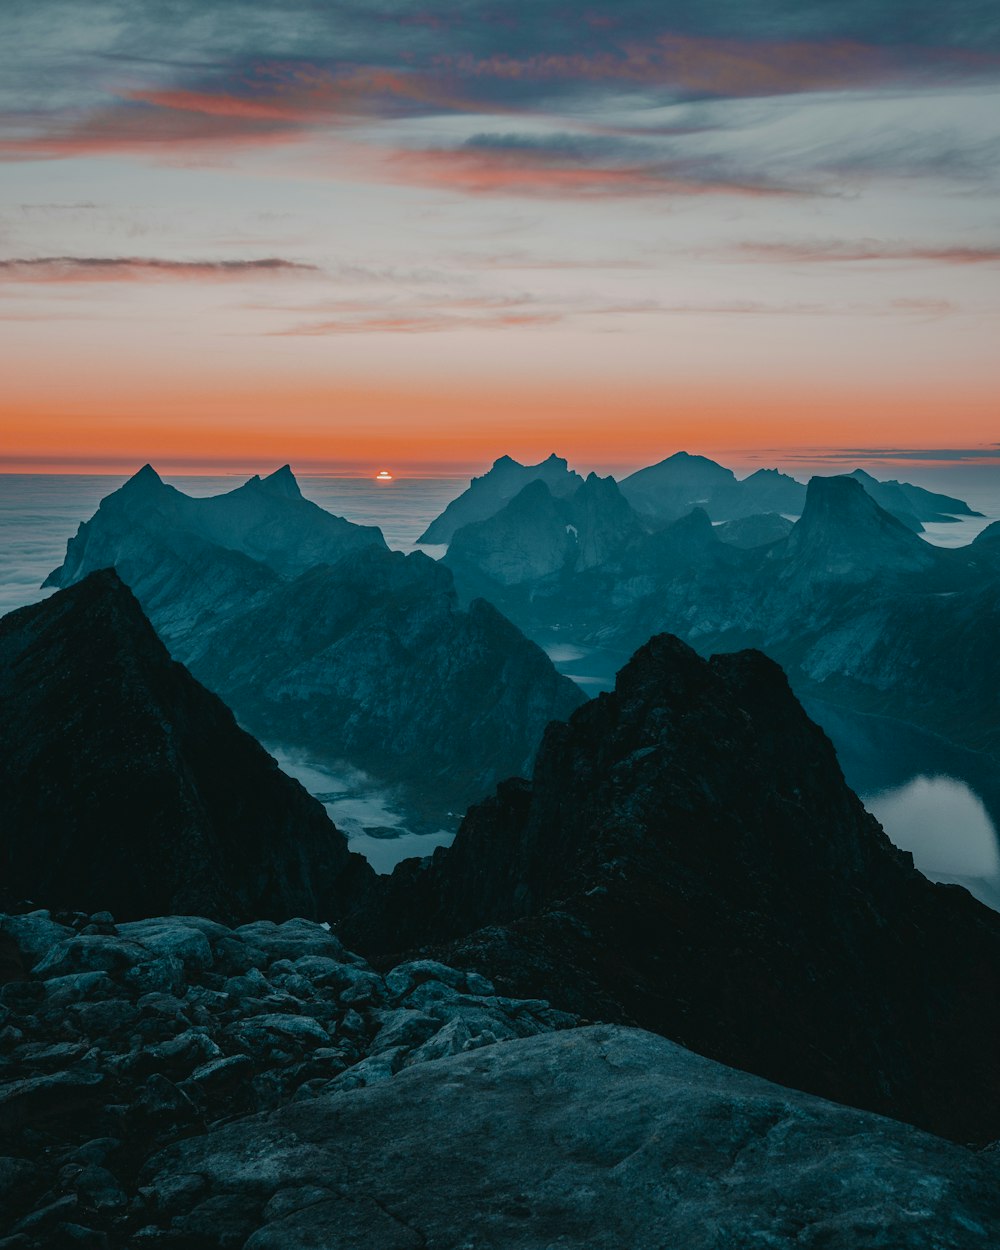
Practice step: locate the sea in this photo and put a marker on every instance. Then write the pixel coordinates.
(938, 802)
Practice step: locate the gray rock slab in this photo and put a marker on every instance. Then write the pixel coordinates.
(601, 1137)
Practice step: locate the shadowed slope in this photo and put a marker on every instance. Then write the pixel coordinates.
(688, 857)
(127, 786)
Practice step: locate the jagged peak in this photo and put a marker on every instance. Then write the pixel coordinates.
(282, 482)
(770, 474)
(146, 478)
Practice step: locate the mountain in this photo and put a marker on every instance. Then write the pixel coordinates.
(859, 610)
(266, 519)
(373, 661)
(767, 490)
(844, 534)
(488, 494)
(538, 535)
(756, 530)
(676, 485)
(125, 786)
(319, 637)
(687, 857)
(923, 505)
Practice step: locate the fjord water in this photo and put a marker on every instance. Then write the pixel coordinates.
(940, 803)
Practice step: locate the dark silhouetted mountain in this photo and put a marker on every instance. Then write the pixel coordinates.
(900, 498)
(676, 485)
(688, 857)
(757, 530)
(666, 491)
(266, 519)
(537, 535)
(767, 490)
(363, 656)
(126, 786)
(488, 494)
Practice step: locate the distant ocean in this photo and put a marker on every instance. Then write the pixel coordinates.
(40, 512)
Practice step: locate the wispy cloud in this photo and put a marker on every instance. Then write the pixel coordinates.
(868, 250)
(418, 323)
(558, 165)
(75, 269)
(988, 453)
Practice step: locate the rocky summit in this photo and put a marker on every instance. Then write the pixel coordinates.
(688, 857)
(121, 1039)
(127, 786)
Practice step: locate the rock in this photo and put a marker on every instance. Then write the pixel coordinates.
(595, 1138)
(268, 1031)
(90, 953)
(35, 932)
(99, 1190)
(76, 987)
(220, 1073)
(173, 938)
(63, 1096)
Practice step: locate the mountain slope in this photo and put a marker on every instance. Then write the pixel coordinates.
(688, 857)
(126, 786)
(372, 660)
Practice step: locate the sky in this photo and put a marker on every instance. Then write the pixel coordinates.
(235, 233)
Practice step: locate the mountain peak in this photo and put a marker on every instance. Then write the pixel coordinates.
(282, 482)
(844, 532)
(146, 479)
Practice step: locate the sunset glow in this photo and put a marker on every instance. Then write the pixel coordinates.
(340, 236)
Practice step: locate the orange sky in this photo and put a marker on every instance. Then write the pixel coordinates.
(469, 425)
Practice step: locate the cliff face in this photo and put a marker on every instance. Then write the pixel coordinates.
(126, 786)
(688, 857)
(318, 636)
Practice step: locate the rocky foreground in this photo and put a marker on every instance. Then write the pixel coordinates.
(175, 1083)
(117, 1041)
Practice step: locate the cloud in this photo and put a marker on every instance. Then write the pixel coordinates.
(559, 164)
(74, 269)
(841, 251)
(987, 454)
(418, 323)
(704, 66)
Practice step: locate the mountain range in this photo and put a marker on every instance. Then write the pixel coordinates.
(857, 608)
(668, 490)
(318, 636)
